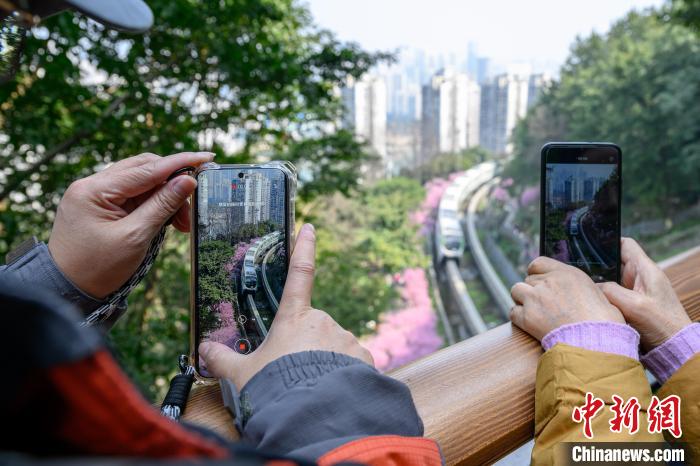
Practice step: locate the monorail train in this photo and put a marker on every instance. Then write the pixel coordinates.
(249, 272)
(449, 239)
(449, 235)
(573, 224)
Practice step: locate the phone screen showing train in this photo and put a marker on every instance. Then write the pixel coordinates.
(241, 256)
(581, 208)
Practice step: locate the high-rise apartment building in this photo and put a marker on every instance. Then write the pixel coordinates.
(504, 100)
(403, 145)
(257, 198)
(450, 114)
(365, 103)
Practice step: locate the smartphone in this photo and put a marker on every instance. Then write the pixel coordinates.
(581, 185)
(242, 218)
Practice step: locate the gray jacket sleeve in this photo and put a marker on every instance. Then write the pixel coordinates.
(306, 404)
(37, 268)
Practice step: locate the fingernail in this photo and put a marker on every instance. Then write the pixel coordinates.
(181, 185)
(309, 229)
(210, 155)
(204, 349)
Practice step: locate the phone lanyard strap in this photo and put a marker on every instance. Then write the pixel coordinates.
(176, 399)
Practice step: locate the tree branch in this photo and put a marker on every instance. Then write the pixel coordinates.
(18, 178)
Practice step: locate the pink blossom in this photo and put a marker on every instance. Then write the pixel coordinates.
(405, 335)
(500, 194)
(225, 310)
(237, 259)
(529, 195)
(507, 182)
(227, 333)
(425, 215)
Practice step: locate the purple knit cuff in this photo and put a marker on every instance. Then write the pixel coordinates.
(606, 337)
(664, 360)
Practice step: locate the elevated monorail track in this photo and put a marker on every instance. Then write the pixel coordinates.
(266, 283)
(460, 315)
(498, 291)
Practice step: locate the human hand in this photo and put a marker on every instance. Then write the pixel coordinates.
(105, 222)
(556, 294)
(297, 326)
(646, 299)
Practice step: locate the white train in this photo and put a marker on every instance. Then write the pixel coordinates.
(249, 273)
(449, 236)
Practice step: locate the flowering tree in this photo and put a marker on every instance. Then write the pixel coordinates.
(226, 330)
(227, 333)
(410, 333)
(236, 261)
(424, 216)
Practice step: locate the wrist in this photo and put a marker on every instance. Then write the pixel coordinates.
(672, 330)
(604, 337)
(71, 272)
(664, 360)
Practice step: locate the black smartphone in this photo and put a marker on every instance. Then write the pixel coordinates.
(240, 254)
(581, 185)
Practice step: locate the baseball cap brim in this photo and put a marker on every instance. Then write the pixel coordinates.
(124, 15)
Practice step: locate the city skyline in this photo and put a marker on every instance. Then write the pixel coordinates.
(569, 184)
(448, 111)
(228, 201)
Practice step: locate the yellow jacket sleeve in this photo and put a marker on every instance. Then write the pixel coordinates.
(686, 384)
(564, 375)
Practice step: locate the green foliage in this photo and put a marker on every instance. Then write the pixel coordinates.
(361, 242)
(685, 12)
(443, 164)
(251, 230)
(637, 86)
(328, 163)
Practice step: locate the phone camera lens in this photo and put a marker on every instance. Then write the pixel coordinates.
(240, 175)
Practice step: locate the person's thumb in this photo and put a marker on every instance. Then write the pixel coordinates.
(300, 279)
(627, 301)
(155, 211)
(220, 361)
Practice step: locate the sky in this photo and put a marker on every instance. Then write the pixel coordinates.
(538, 32)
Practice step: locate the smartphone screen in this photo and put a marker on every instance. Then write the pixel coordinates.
(240, 255)
(580, 208)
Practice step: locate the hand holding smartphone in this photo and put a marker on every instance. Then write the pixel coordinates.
(243, 219)
(580, 202)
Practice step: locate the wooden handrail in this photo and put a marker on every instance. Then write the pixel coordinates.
(476, 398)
